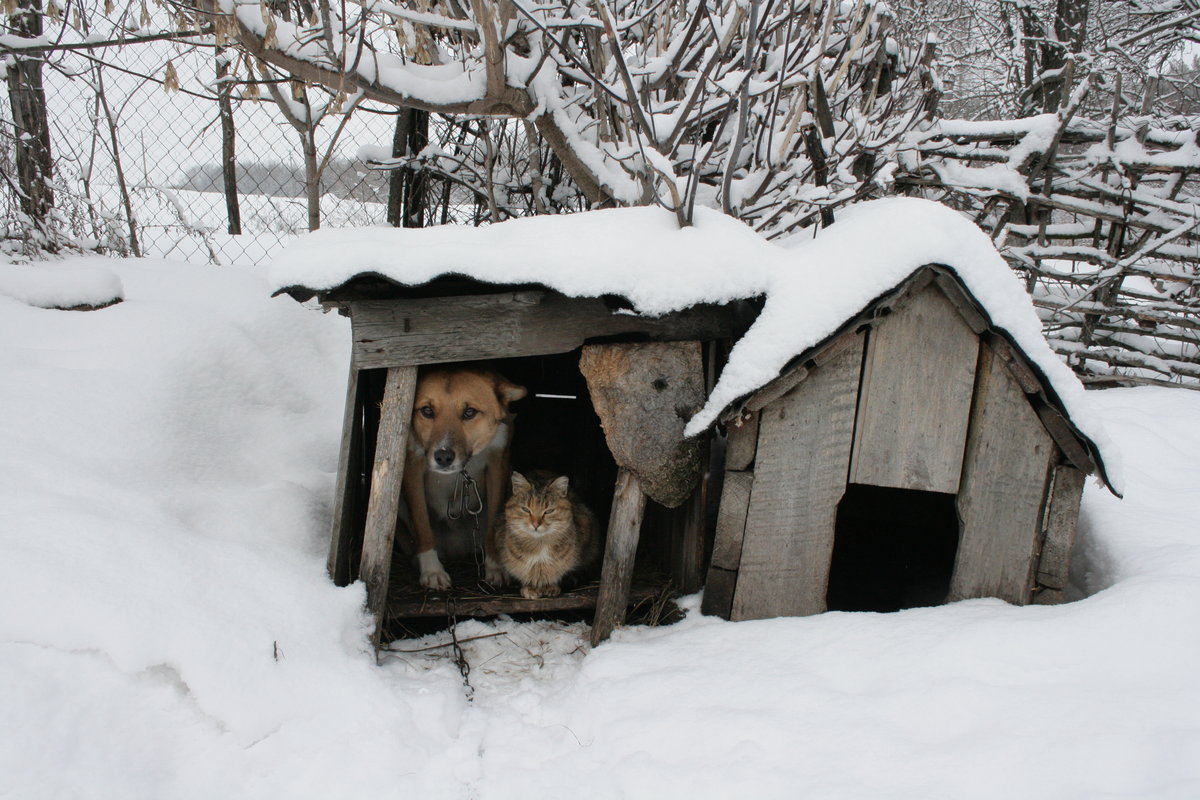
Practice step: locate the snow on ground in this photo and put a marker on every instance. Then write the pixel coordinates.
(167, 629)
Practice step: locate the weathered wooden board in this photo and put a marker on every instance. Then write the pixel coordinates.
(423, 603)
(776, 389)
(1061, 520)
(343, 536)
(390, 333)
(741, 441)
(804, 445)
(727, 544)
(731, 519)
(386, 476)
(644, 393)
(1005, 470)
(961, 301)
(1016, 364)
(1060, 430)
(916, 398)
(624, 527)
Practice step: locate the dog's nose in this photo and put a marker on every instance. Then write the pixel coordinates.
(443, 457)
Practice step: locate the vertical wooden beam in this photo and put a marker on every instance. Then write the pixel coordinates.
(916, 397)
(727, 545)
(1061, 519)
(384, 502)
(1005, 469)
(800, 472)
(687, 531)
(343, 535)
(624, 527)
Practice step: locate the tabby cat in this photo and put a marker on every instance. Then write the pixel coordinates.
(546, 533)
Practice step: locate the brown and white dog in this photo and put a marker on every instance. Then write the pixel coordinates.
(460, 422)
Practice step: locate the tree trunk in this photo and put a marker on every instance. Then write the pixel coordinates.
(407, 186)
(27, 99)
(312, 177)
(228, 142)
(1070, 28)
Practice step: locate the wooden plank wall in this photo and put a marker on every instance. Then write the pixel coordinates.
(1007, 465)
(918, 378)
(800, 474)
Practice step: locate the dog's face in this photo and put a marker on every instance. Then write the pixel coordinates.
(457, 413)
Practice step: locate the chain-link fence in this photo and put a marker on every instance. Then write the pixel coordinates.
(138, 145)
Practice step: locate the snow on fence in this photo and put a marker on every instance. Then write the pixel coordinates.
(1100, 219)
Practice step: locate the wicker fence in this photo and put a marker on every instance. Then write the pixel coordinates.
(1101, 220)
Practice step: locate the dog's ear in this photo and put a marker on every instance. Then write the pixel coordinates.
(518, 482)
(509, 392)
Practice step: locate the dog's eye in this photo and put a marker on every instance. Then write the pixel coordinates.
(426, 411)
(469, 412)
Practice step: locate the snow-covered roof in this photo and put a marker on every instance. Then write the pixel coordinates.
(640, 254)
(812, 283)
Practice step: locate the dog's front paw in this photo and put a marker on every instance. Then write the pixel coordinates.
(433, 575)
(435, 580)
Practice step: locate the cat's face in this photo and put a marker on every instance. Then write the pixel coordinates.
(538, 508)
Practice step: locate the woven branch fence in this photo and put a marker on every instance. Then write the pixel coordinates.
(1100, 219)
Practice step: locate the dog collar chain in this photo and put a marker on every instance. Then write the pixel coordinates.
(465, 499)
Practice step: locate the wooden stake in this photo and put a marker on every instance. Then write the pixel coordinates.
(380, 533)
(624, 527)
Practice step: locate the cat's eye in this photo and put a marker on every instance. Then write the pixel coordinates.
(525, 509)
(426, 411)
(469, 413)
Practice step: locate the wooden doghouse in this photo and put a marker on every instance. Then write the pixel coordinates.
(589, 348)
(914, 456)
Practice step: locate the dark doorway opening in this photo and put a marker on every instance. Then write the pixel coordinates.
(893, 549)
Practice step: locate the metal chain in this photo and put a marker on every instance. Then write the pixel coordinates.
(460, 658)
(466, 499)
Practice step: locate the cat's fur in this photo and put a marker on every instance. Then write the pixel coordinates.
(545, 533)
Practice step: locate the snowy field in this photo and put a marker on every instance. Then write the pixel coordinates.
(167, 629)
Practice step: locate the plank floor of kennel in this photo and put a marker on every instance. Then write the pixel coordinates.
(408, 601)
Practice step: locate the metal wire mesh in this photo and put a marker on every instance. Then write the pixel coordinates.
(137, 148)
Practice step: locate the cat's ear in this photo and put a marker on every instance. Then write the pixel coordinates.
(519, 483)
(509, 392)
(560, 484)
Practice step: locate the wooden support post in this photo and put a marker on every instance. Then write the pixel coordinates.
(624, 526)
(384, 503)
(687, 536)
(343, 536)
